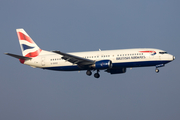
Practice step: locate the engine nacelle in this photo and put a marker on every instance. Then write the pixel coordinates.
(103, 64)
(116, 71)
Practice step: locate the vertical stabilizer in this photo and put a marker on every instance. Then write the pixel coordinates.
(28, 46)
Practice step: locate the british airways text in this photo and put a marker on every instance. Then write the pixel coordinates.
(132, 57)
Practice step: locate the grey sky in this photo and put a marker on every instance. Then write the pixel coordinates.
(85, 25)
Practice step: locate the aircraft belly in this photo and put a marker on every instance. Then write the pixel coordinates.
(138, 64)
(115, 65)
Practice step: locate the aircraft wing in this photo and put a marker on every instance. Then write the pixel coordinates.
(75, 59)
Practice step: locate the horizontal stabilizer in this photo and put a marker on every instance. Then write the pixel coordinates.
(18, 56)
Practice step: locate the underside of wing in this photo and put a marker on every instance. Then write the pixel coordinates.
(75, 59)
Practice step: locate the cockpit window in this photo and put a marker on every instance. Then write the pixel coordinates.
(162, 52)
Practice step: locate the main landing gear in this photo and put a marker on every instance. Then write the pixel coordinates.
(88, 72)
(96, 75)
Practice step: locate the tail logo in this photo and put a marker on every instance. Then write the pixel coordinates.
(25, 47)
(28, 46)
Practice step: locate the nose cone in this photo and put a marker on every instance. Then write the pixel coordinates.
(173, 57)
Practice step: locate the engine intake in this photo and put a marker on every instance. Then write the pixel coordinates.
(103, 64)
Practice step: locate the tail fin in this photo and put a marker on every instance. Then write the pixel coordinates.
(28, 46)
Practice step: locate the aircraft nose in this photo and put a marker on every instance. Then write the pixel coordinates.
(173, 57)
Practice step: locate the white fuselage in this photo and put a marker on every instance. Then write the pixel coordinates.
(112, 61)
(122, 58)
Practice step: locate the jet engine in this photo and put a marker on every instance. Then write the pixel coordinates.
(103, 64)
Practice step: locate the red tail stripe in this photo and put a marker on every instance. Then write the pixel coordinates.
(33, 54)
(22, 36)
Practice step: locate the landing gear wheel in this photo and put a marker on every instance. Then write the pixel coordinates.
(96, 75)
(89, 73)
(157, 70)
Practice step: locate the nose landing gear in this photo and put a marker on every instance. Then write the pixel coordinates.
(157, 66)
(157, 70)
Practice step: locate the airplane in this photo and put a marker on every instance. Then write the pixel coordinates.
(111, 61)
